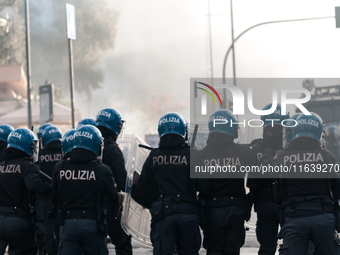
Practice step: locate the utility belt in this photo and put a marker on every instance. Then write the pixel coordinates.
(308, 202)
(75, 214)
(225, 201)
(17, 212)
(308, 206)
(78, 214)
(311, 204)
(167, 206)
(178, 198)
(100, 216)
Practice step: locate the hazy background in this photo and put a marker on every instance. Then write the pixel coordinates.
(157, 46)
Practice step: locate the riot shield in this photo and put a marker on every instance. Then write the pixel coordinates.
(136, 219)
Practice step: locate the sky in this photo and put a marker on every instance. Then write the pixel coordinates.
(160, 45)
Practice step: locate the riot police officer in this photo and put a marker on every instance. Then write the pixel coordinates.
(261, 190)
(67, 145)
(165, 177)
(307, 204)
(5, 130)
(84, 184)
(110, 123)
(288, 131)
(50, 152)
(19, 181)
(86, 121)
(225, 201)
(40, 200)
(41, 129)
(49, 155)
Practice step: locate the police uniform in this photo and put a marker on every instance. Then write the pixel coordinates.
(225, 202)
(67, 146)
(165, 177)
(3, 146)
(109, 122)
(307, 204)
(265, 206)
(5, 130)
(83, 184)
(166, 173)
(114, 159)
(19, 179)
(261, 190)
(49, 155)
(40, 201)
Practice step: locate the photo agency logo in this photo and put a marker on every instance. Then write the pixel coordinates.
(204, 97)
(238, 100)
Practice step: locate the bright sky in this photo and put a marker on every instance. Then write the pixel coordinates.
(294, 49)
(161, 44)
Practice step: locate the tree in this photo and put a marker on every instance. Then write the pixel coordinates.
(95, 22)
(12, 37)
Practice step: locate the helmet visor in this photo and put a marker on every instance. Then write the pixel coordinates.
(34, 147)
(100, 156)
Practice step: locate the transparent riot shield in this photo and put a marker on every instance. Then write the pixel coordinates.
(135, 218)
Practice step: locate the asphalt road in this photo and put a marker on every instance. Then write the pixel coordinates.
(250, 247)
(147, 251)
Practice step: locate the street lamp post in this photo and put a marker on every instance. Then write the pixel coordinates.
(257, 25)
(233, 40)
(28, 64)
(232, 46)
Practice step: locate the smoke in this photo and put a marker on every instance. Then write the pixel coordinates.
(95, 26)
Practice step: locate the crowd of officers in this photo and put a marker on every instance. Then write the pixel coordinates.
(72, 189)
(61, 196)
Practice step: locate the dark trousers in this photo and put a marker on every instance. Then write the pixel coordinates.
(119, 238)
(224, 230)
(177, 229)
(39, 206)
(49, 240)
(18, 233)
(298, 233)
(267, 227)
(81, 235)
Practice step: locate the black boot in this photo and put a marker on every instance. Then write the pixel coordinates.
(125, 249)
